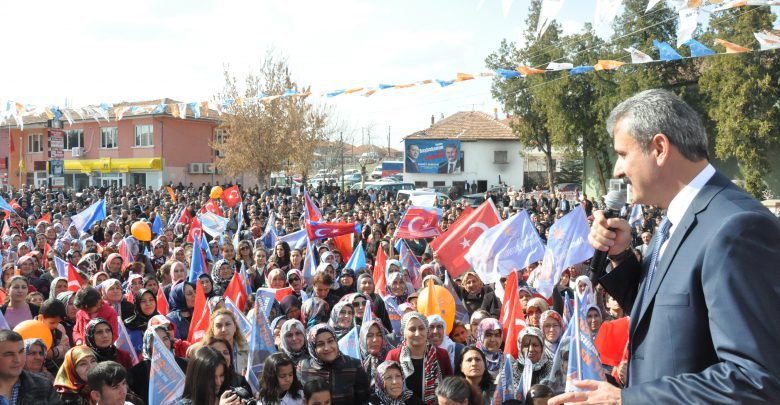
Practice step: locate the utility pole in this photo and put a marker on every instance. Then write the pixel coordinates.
(341, 147)
(388, 141)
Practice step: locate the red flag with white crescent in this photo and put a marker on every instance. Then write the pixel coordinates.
(196, 230)
(74, 280)
(213, 207)
(231, 196)
(419, 222)
(452, 246)
(321, 230)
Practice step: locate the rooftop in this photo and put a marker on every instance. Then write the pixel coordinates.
(467, 126)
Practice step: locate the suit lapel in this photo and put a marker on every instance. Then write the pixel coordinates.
(687, 223)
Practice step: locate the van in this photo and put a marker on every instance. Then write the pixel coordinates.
(379, 186)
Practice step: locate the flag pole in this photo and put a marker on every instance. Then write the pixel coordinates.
(577, 334)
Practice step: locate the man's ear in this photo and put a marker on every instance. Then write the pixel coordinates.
(95, 396)
(660, 146)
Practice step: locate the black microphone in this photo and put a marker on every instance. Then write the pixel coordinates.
(615, 200)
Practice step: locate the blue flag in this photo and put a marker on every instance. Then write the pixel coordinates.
(261, 345)
(357, 260)
(504, 388)
(264, 299)
(94, 213)
(245, 279)
(296, 240)
(166, 380)
(581, 69)
(197, 267)
(409, 262)
(567, 245)
(368, 315)
(62, 267)
(511, 245)
(240, 222)
(349, 344)
(698, 49)
(461, 313)
(507, 73)
(243, 324)
(309, 265)
(5, 206)
(123, 341)
(212, 223)
(636, 215)
(584, 360)
(666, 52)
(157, 225)
(205, 247)
(3, 323)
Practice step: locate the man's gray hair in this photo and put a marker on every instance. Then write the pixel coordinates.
(659, 111)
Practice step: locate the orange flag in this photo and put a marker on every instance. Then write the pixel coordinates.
(608, 65)
(380, 280)
(344, 245)
(462, 77)
(731, 47)
(45, 218)
(172, 194)
(201, 315)
(529, 70)
(162, 302)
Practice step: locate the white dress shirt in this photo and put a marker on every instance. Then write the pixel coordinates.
(683, 200)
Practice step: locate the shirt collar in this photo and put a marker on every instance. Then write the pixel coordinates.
(684, 198)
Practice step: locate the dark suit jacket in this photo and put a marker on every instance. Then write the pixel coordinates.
(411, 166)
(443, 166)
(705, 331)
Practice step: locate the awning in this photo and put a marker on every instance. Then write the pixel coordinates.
(108, 165)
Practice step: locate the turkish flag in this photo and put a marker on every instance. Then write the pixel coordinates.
(201, 315)
(419, 222)
(511, 316)
(74, 280)
(281, 293)
(185, 217)
(162, 302)
(237, 292)
(320, 230)
(312, 213)
(46, 218)
(46, 251)
(195, 231)
(611, 340)
(212, 207)
(451, 246)
(380, 280)
(231, 196)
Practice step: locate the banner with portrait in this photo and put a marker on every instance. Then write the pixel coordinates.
(441, 156)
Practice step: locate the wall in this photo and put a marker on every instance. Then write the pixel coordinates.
(478, 165)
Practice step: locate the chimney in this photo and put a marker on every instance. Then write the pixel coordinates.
(432, 119)
(495, 113)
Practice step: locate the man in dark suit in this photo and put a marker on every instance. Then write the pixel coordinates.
(699, 330)
(412, 153)
(453, 164)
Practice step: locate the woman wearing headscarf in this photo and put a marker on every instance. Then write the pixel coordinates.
(70, 312)
(208, 285)
(276, 330)
(221, 273)
(374, 346)
(315, 310)
(112, 293)
(58, 285)
(530, 345)
(582, 284)
(113, 266)
(71, 380)
(534, 310)
(552, 326)
(397, 294)
(295, 280)
(291, 307)
(349, 383)
(35, 349)
(346, 282)
(292, 340)
(98, 278)
(594, 320)
(390, 387)
(489, 339)
(180, 305)
(138, 375)
(359, 302)
(424, 364)
(100, 338)
(145, 307)
(342, 318)
(365, 285)
(439, 338)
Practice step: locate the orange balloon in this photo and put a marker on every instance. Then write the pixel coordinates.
(439, 302)
(142, 231)
(216, 192)
(32, 329)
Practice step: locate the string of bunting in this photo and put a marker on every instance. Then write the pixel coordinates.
(14, 110)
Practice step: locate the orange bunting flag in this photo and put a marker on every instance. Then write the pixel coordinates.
(355, 90)
(525, 70)
(380, 280)
(174, 109)
(462, 77)
(405, 86)
(608, 65)
(172, 194)
(731, 47)
(204, 109)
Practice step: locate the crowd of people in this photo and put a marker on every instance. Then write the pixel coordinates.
(406, 357)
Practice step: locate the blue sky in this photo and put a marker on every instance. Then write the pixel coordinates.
(91, 52)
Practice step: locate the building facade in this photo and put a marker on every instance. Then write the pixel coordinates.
(468, 146)
(150, 149)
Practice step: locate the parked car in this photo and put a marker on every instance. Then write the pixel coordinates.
(473, 200)
(382, 185)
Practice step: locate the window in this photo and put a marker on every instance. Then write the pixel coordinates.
(220, 135)
(34, 143)
(439, 184)
(109, 137)
(74, 138)
(500, 156)
(144, 135)
(421, 184)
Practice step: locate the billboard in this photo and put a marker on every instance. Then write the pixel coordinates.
(432, 156)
